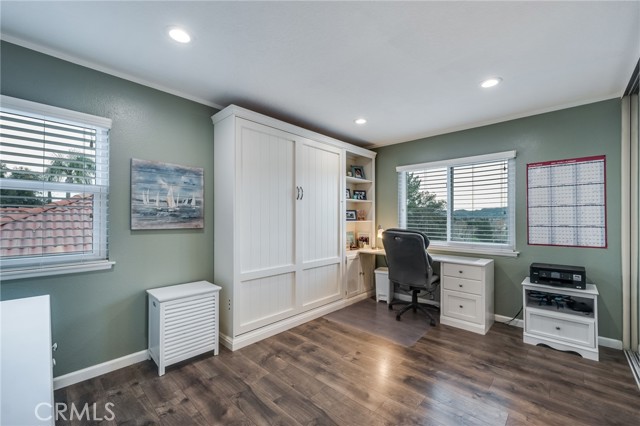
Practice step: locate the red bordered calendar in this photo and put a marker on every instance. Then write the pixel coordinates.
(566, 203)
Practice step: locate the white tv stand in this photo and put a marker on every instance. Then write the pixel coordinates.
(557, 324)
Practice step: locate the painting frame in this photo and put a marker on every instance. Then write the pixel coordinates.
(166, 196)
(351, 215)
(348, 194)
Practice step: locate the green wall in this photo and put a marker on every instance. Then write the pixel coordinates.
(99, 316)
(592, 129)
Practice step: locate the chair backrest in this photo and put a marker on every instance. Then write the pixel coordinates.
(407, 258)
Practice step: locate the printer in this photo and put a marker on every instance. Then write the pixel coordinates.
(558, 275)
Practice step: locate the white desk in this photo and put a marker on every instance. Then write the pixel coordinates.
(466, 290)
(26, 364)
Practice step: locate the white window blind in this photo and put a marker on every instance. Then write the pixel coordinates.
(466, 203)
(54, 188)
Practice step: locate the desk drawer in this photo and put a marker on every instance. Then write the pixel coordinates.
(462, 271)
(561, 329)
(462, 285)
(463, 306)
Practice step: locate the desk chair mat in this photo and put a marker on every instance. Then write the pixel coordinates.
(376, 319)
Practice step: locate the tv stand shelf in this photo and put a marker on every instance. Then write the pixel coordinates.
(562, 318)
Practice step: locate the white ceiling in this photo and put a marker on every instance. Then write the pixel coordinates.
(412, 69)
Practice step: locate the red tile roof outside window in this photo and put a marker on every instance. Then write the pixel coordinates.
(61, 227)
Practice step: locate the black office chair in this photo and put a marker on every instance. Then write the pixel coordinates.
(410, 267)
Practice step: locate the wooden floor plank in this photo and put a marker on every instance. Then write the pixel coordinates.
(324, 372)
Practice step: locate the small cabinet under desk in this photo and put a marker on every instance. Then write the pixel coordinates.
(562, 318)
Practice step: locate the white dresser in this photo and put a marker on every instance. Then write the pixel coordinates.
(26, 364)
(563, 318)
(466, 292)
(183, 322)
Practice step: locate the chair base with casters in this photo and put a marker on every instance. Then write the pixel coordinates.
(414, 305)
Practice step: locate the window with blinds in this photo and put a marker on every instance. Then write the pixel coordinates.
(54, 188)
(466, 203)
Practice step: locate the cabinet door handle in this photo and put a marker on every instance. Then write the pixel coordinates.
(461, 306)
(297, 192)
(460, 285)
(302, 193)
(557, 328)
(459, 272)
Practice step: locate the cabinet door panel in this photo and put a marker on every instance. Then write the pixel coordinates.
(264, 300)
(265, 209)
(320, 285)
(320, 179)
(353, 276)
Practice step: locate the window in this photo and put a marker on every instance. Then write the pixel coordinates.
(54, 188)
(465, 204)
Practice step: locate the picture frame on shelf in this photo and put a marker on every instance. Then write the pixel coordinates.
(363, 240)
(351, 215)
(359, 194)
(348, 194)
(358, 172)
(351, 240)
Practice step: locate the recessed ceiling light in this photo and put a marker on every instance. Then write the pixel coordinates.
(490, 82)
(179, 35)
(360, 121)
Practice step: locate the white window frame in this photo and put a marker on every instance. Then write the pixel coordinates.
(46, 265)
(508, 249)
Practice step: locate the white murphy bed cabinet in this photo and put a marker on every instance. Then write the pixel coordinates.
(279, 224)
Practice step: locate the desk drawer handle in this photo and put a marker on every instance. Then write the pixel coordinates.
(460, 272)
(461, 306)
(557, 328)
(460, 285)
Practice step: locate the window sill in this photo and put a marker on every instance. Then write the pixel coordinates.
(487, 251)
(18, 274)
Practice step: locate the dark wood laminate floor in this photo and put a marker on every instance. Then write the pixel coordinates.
(323, 373)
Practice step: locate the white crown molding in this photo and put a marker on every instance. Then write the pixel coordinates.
(512, 117)
(103, 69)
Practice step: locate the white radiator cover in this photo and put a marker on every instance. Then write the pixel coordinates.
(183, 322)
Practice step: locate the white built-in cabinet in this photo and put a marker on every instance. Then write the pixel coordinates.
(279, 218)
(359, 274)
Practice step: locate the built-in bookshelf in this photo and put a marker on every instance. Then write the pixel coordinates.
(360, 200)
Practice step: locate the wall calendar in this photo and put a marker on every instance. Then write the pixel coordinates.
(566, 203)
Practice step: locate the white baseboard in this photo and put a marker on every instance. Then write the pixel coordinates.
(609, 343)
(503, 319)
(98, 370)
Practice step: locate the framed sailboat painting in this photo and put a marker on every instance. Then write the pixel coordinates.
(166, 196)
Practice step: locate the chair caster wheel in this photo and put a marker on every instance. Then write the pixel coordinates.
(397, 317)
(433, 323)
(390, 307)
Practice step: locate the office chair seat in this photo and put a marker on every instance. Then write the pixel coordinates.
(410, 267)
